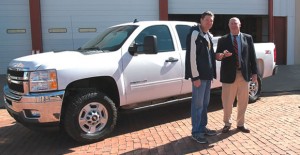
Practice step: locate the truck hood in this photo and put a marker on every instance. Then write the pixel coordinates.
(51, 60)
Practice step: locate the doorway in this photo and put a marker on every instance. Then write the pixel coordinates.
(251, 24)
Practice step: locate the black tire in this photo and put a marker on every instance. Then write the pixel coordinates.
(90, 116)
(254, 90)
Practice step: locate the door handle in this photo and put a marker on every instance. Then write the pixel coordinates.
(171, 59)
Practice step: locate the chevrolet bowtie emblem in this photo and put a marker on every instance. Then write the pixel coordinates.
(17, 65)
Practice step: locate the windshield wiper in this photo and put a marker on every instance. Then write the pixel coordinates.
(90, 48)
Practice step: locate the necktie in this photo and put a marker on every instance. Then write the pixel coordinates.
(236, 51)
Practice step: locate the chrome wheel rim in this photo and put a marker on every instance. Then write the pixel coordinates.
(253, 88)
(93, 117)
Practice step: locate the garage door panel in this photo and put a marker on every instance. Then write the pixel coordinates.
(14, 14)
(16, 43)
(13, 53)
(60, 20)
(10, 49)
(219, 7)
(59, 36)
(58, 44)
(12, 38)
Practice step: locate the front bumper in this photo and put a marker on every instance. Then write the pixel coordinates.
(37, 108)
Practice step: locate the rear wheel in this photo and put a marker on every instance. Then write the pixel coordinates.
(254, 90)
(90, 116)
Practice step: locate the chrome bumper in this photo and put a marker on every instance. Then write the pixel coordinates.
(34, 108)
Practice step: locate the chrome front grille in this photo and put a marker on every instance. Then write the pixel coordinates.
(15, 72)
(17, 80)
(16, 87)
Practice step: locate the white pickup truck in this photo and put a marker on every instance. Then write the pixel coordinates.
(127, 66)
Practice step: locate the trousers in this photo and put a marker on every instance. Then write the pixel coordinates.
(200, 101)
(238, 89)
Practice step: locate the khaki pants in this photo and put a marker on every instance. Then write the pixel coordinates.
(239, 88)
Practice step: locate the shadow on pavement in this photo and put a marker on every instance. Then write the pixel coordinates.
(184, 145)
(16, 139)
(268, 94)
(145, 118)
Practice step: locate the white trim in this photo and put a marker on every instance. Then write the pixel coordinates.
(286, 8)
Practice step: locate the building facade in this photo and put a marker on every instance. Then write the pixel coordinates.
(33, 26)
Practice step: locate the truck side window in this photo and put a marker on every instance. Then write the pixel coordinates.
(182, 31)
(164, 38)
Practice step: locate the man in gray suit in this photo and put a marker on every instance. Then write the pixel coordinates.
(238, 67)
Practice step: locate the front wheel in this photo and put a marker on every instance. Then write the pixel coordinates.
(90, 116)
(254, 90)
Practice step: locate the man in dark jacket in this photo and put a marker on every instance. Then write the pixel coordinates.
(200, 67)
(238, 67)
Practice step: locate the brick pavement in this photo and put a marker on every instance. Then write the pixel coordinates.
(273, 120)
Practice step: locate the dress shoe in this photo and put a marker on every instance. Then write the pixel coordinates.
(243, 129)
(225, 129)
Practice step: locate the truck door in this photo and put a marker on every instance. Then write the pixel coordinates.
(153, 76)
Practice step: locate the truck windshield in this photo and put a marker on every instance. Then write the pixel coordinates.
(110, 40)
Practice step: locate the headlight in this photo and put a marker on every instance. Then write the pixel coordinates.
(45, 80)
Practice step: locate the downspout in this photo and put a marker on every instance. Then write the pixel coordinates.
(271, 21)
(36, 26)
(163, 10)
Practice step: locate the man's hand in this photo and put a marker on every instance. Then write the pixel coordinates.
(227, 53)
(197, 83)
(220, 56)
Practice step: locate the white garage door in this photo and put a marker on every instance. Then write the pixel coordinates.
(68, 24)
(234, 7)
(15, 32)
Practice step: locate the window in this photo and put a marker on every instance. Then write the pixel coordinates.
(15, 31)
(57, 30)
(183, 31)
(87, 30)
(163, 35)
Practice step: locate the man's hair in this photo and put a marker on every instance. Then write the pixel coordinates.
(207, 13)
(234, 18)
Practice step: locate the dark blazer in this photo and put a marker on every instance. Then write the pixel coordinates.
(248, 58)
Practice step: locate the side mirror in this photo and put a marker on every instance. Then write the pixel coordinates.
(133, 49)
(150, 44)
